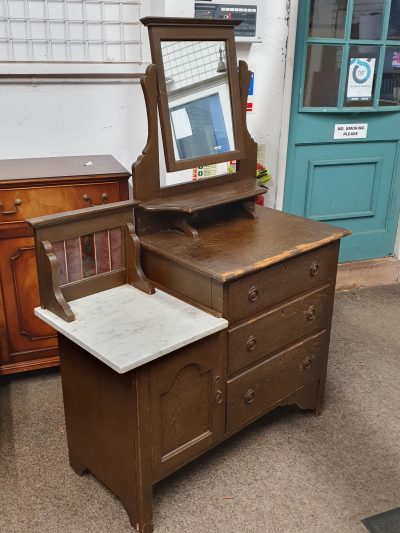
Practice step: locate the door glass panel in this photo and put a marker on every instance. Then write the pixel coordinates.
(367, 19)
(390, 89)
(361, 75)
(327, 18)
(394, 21)
(322, 77)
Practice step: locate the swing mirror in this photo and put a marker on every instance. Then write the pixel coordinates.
(198, 92)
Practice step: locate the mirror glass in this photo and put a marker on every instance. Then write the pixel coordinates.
(198, 93)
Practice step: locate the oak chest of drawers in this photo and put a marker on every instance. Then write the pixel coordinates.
(273, 279)
(34, 187)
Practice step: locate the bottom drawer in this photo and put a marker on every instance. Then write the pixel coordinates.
(254, 392)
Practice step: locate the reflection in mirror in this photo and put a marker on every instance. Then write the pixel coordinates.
(196, 76)
(327, 18)
(390, 88)
(321, 84)
(367, 19)
(198, 173)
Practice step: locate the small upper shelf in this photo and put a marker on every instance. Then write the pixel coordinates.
(206, 198)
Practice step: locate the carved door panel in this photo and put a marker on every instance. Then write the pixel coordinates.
(187, 404)
(26, 335)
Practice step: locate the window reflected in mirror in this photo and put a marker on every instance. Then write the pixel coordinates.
(196, 77)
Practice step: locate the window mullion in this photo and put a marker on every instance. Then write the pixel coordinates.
(382, 54)
(343, 76)
(349, 19)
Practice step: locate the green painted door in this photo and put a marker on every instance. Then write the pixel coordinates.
(344, 139)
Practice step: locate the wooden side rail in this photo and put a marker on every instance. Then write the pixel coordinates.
(86, 251)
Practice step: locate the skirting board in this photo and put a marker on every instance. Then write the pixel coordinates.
(370, 273)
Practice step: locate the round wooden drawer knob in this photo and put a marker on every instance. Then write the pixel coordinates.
(250, 396)
(305, 365)
(253, 294)
(219, 396)
(311, 313)
(314, 269)
(251, 343)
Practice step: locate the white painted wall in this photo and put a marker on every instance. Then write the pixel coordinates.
(72, 119)
(58, 119)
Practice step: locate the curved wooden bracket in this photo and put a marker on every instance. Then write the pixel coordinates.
(135, 275)
(145, 171)
(250, 209)
(183, 225)
(247, 166)
(54, 299)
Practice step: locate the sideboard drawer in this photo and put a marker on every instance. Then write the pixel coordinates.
(254, 293)
(279, 327)
(263, 386)
(17, 204)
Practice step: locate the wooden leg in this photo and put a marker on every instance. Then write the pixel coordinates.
(108, 431)
(306, 398)
(76, 467)
(140, 512)
(320, 396)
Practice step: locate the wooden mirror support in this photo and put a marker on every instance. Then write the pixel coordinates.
(178, 206)
(86, 251)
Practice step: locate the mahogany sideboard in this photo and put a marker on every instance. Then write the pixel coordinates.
(28, 188)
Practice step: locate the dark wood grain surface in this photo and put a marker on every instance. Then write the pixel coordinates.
(235, 247)
(206, 198)
(52, 167)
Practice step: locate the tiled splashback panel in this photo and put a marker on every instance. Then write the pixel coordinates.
(89, 255)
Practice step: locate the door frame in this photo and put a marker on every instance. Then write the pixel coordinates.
(286, 113)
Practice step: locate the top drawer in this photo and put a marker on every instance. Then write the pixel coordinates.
(256, 292)
(17, 204)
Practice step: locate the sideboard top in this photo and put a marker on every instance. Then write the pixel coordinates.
(235, 247)
(60, 167)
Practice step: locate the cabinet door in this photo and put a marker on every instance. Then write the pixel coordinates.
(26, 336)
(187, 403)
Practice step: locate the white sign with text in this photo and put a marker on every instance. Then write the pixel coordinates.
(361, 78)
(350, 131)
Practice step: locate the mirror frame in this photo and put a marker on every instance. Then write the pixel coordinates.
(183, 29)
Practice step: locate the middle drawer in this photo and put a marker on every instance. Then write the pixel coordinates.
(278, 327)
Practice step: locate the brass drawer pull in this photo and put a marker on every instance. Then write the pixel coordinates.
(305, 365)
(249, 397)
(17, 203)
(311, 313)
(87, 199)
(253, 294)
(104, 197)
(251, 343)
(314, 269)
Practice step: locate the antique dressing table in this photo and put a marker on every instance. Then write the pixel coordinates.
(218, 312)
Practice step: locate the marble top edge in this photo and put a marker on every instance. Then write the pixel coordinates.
(117, 326)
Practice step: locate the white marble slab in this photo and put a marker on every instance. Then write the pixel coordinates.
(126, 328)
